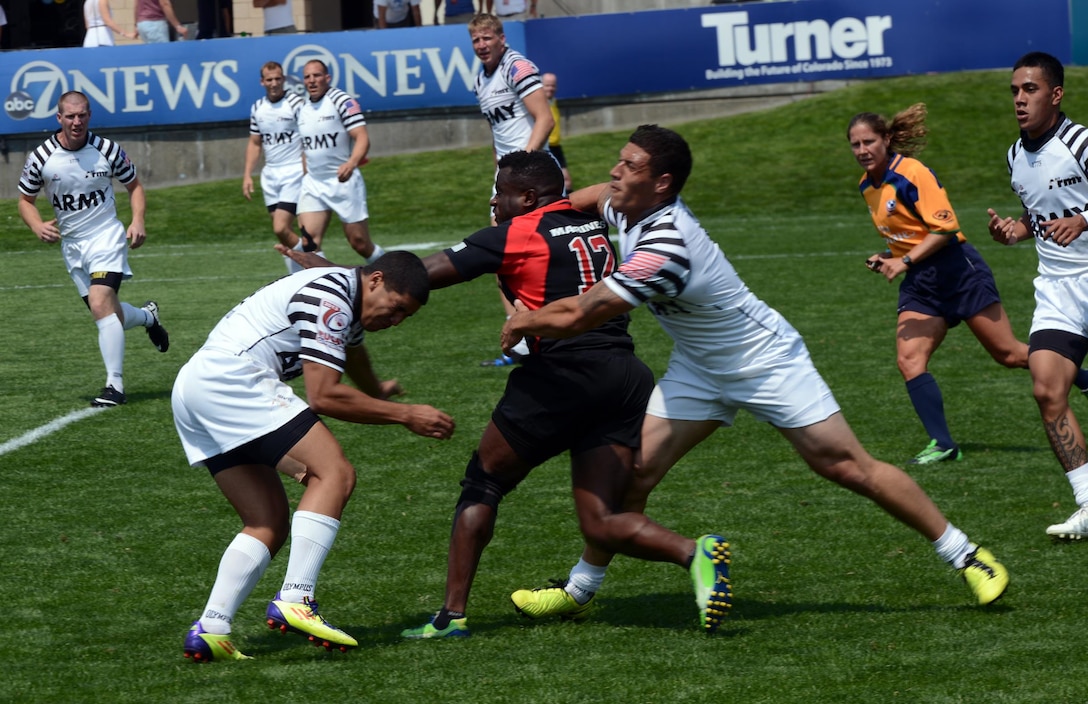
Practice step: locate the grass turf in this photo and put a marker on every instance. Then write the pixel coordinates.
(112, 542)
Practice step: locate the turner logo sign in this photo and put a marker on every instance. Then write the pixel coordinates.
(800, 47)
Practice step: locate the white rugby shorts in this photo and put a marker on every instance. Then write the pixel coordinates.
(347, 199)
(281, 184)
(104, 251)
(222, 401)
(784, 390)
(1061, 304)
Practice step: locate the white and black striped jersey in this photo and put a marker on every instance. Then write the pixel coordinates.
(501, 96)
(672, 265)
(1050, 176)
(312, 315)
(277, 125)
(324, 128)
(78, 183)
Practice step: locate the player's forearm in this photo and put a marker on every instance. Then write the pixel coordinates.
(28, 211)
(557, 320)
(360, 147)
(138, 202)
(253, 153)
(349, 404)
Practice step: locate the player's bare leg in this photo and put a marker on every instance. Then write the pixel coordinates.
(358, 235)
(315, 223)
(993, 330)
(1052, 377)
(282, 220)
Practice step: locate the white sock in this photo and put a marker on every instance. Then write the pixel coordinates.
(953, 546)
(1078, 479)
(111, 343)
(585, 580)
(241, 567)
(292, 267)
(135, 316)
(312, 535)
(378, 251)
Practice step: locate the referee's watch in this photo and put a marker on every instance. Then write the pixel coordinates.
(907, 260)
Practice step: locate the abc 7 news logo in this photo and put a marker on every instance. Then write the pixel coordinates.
(19, 105)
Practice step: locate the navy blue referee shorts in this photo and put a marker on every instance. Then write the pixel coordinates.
(954, 284)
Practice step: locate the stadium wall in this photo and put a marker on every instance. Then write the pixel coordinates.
(181, 109)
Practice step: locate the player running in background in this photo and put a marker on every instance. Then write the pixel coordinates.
(335, 144)
(1048, 165)
(732, 351)
(511, 97)
(945, 280)
(75, 169)
(555, 137)
(273, 128)
(236, 416)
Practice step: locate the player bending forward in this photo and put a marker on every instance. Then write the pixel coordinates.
(236, 415)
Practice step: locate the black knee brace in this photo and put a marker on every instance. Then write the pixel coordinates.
(479, 487)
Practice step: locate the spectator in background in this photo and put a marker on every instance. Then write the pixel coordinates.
(154, 18)
(278, 16)
(512, 10)
(391, 14)
(215, 18)
(457, 11)
(98, 19)
(3, 23)
(555, 138)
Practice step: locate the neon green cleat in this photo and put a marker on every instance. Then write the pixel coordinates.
(986, 577)
(550, 601)
(205, 647)
(457, 628)
(303, 618)
(935, 453)
(710, 577)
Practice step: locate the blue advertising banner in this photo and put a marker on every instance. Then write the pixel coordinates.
(717, 46)
(776, 42)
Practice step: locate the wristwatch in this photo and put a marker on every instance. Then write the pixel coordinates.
(907, 260)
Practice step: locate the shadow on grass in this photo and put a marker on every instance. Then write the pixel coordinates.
(676, 612)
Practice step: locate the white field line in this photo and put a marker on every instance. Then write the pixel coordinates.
(186, 249)
(47, 429)
(183, 250)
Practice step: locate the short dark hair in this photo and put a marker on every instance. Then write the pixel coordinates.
(669, 153)
(1052, 68)
(403, 272)
(534, 170)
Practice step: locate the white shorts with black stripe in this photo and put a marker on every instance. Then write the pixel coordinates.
(222, 401)
(101, 253)
(281, 184)
(347, 199)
